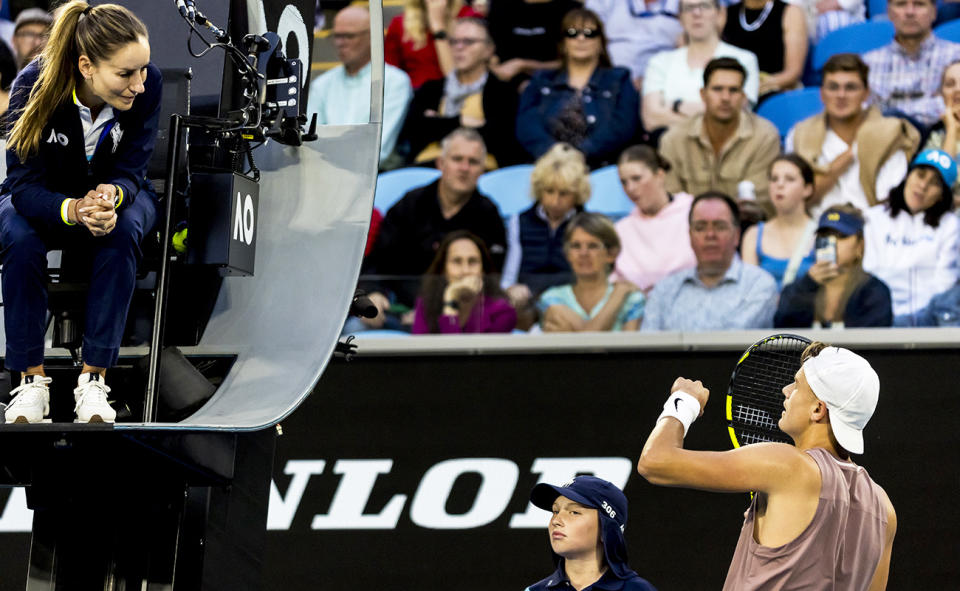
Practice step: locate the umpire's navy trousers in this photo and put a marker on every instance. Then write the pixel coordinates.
(114, 259)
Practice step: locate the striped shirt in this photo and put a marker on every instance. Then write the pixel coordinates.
(911, 83)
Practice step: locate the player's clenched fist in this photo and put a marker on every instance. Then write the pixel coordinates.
(693, 388)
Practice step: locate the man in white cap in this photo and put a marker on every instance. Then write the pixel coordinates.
(817, 520)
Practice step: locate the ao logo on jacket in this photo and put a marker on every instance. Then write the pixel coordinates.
(57, 138)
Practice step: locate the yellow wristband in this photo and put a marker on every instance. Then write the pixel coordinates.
(119, 199)
(64, 209)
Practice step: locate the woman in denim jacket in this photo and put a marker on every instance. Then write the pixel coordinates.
(586, 103)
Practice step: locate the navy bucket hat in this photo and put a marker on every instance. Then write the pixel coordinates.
(611, 506)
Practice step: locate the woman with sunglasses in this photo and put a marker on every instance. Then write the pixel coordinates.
(586, 103)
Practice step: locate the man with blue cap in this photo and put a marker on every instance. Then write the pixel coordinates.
(586, 527)
(817, 520)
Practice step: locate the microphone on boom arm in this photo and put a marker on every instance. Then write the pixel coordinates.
(187, 9)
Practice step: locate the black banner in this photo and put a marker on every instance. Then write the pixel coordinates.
(433, 460)
(414, 473)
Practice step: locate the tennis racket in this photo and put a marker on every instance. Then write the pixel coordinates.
(755, 395)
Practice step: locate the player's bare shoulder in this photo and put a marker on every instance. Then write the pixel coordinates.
(783, 467)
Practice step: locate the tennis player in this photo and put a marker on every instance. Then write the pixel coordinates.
(817, 520)
(586, 527)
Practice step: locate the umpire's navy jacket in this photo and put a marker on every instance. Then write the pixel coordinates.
(59, 168)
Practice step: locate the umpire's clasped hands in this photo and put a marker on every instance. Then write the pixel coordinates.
(97, 212)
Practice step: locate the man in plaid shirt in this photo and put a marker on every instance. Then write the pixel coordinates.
(905, 75)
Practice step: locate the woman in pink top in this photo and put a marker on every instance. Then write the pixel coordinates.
(459, 293)
(416, 41)
(655, 236)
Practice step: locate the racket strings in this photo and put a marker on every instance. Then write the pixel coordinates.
(757, 389)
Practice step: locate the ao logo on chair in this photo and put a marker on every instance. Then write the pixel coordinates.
(243, 221)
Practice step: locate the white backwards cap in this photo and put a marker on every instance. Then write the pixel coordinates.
(849, 387)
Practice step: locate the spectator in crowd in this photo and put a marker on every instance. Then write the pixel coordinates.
(591, 302)
(905, 75)
(527, 34)
(912, 239)
(648, 235)
(468, 97)
(724, 147)
(836, 292)
(944, 134)
(414, 227)
(417, 39)
(776, 32)
(637, 30)
(341, 96)
(671, 86)
(858, 154)
(30, 34)
(536, 259)
(827, 16)
(460, 292)
(721, 292)
(586, 103)
(783, 246)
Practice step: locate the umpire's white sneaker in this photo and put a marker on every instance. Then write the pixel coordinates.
(30, 402)
(91, 396)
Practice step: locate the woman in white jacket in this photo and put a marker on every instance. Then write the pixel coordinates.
(912, 239)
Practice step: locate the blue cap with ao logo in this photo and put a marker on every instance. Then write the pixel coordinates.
(940, 161)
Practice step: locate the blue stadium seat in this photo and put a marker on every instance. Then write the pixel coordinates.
(949, 30)
(606, 193)
(859, 38)
(508, 187)
(380, 333)
(394, 184)
(785, 109)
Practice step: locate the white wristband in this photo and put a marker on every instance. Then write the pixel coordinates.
(683, 407)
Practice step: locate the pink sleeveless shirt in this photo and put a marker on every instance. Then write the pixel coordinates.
(840, 548)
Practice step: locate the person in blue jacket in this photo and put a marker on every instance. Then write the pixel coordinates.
(586, 527)
(837, 292)
(82, 127)
(586, 103)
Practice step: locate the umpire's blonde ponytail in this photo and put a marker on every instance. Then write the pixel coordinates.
(79, 29)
